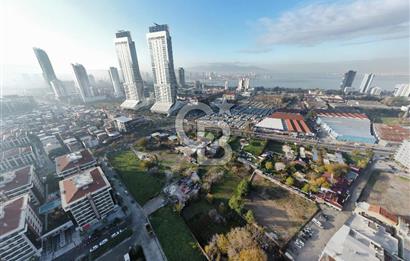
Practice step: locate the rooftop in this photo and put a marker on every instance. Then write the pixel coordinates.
(14, 152)
(82, 184)
(394, 133)
(72, 160)
(11, 215)
(15, 179)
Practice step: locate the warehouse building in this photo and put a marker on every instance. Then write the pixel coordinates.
(87, 196)
(285, 123)
(350, 127)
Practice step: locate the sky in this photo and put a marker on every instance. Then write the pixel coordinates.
(267, 34)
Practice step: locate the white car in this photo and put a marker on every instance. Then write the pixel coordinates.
(93, 248)
(103, 242)
(115, 234)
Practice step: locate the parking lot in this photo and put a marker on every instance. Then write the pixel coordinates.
(311, 247)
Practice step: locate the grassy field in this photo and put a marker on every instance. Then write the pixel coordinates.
(139, 183)
(277, 209)
(274, 146)
(175, 237)
(394, 121)
(255, 147)
(223, 190)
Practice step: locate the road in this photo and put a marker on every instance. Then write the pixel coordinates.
(336, 145)
(314, 246)
(138, 219)
(150, 244)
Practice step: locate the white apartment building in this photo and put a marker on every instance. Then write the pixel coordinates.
(20, 231)
(403, 154)
(19, 182)
(366, 83)
(87, 196)
(162, 61)
(116, 83)
(128, 61)
(16, 157)
(402, 90)
(11, 140)
(75, 162)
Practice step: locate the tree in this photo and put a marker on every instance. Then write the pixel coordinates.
(269, 165)
(254, 254)
(249, 217)
(236, 203)
(306, 188)
(142, 143)
(223, 243)
(209, 197)
(290, 181)
(243, 188)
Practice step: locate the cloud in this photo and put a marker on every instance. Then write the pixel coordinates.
(339, 21)
(262, 49)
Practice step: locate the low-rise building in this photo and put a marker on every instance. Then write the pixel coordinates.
(376, 212)
(20, 230)
(361, 239)
(13, 139)
(390, 135)
(17, 157)
(350, 127)
(403, 154)
(87, 196)
(19, 182)
(72, 144)
(125, 124)
(75, 162)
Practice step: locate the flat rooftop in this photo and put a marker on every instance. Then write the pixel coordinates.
(14, 152)
(349, 126)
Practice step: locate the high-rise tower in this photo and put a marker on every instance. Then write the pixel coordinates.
(115, 79)
(348, 79)
(127, 58)
(82, 81)
(366, 82)
(165, 84)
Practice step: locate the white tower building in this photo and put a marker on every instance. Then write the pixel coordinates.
(165, 84)
(127, 58)
(83, 82)
(366, 82)
(115, 79)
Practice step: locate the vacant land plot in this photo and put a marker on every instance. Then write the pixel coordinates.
(175, 238)
(389, 191)
(277, 209)
(255, 147)
(392, 120)
(140, 184)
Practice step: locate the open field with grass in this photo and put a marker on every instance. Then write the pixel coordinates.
(389, 191)
(255, 147)
(277, 209)
(394, 121)
(174, 235)
(140, 184)
(274, 146)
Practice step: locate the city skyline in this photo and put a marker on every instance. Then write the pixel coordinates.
(378, 33)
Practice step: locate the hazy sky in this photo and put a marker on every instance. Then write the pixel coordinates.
(258, 33)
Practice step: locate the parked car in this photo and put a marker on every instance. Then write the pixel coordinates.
(105, 240)
(93, 248)
(115, 234)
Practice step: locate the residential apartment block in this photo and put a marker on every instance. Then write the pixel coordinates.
(17, 157)
(75, 162)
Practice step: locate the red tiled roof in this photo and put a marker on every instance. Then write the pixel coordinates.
(294, 121)
(343, 115)
(64, 163)
(72, 192)
(394, 133)
(21, 178)
(12, 215)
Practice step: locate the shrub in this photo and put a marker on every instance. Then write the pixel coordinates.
(290, 181)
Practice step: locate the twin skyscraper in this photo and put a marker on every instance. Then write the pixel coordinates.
(162, 61)
(165, 84)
